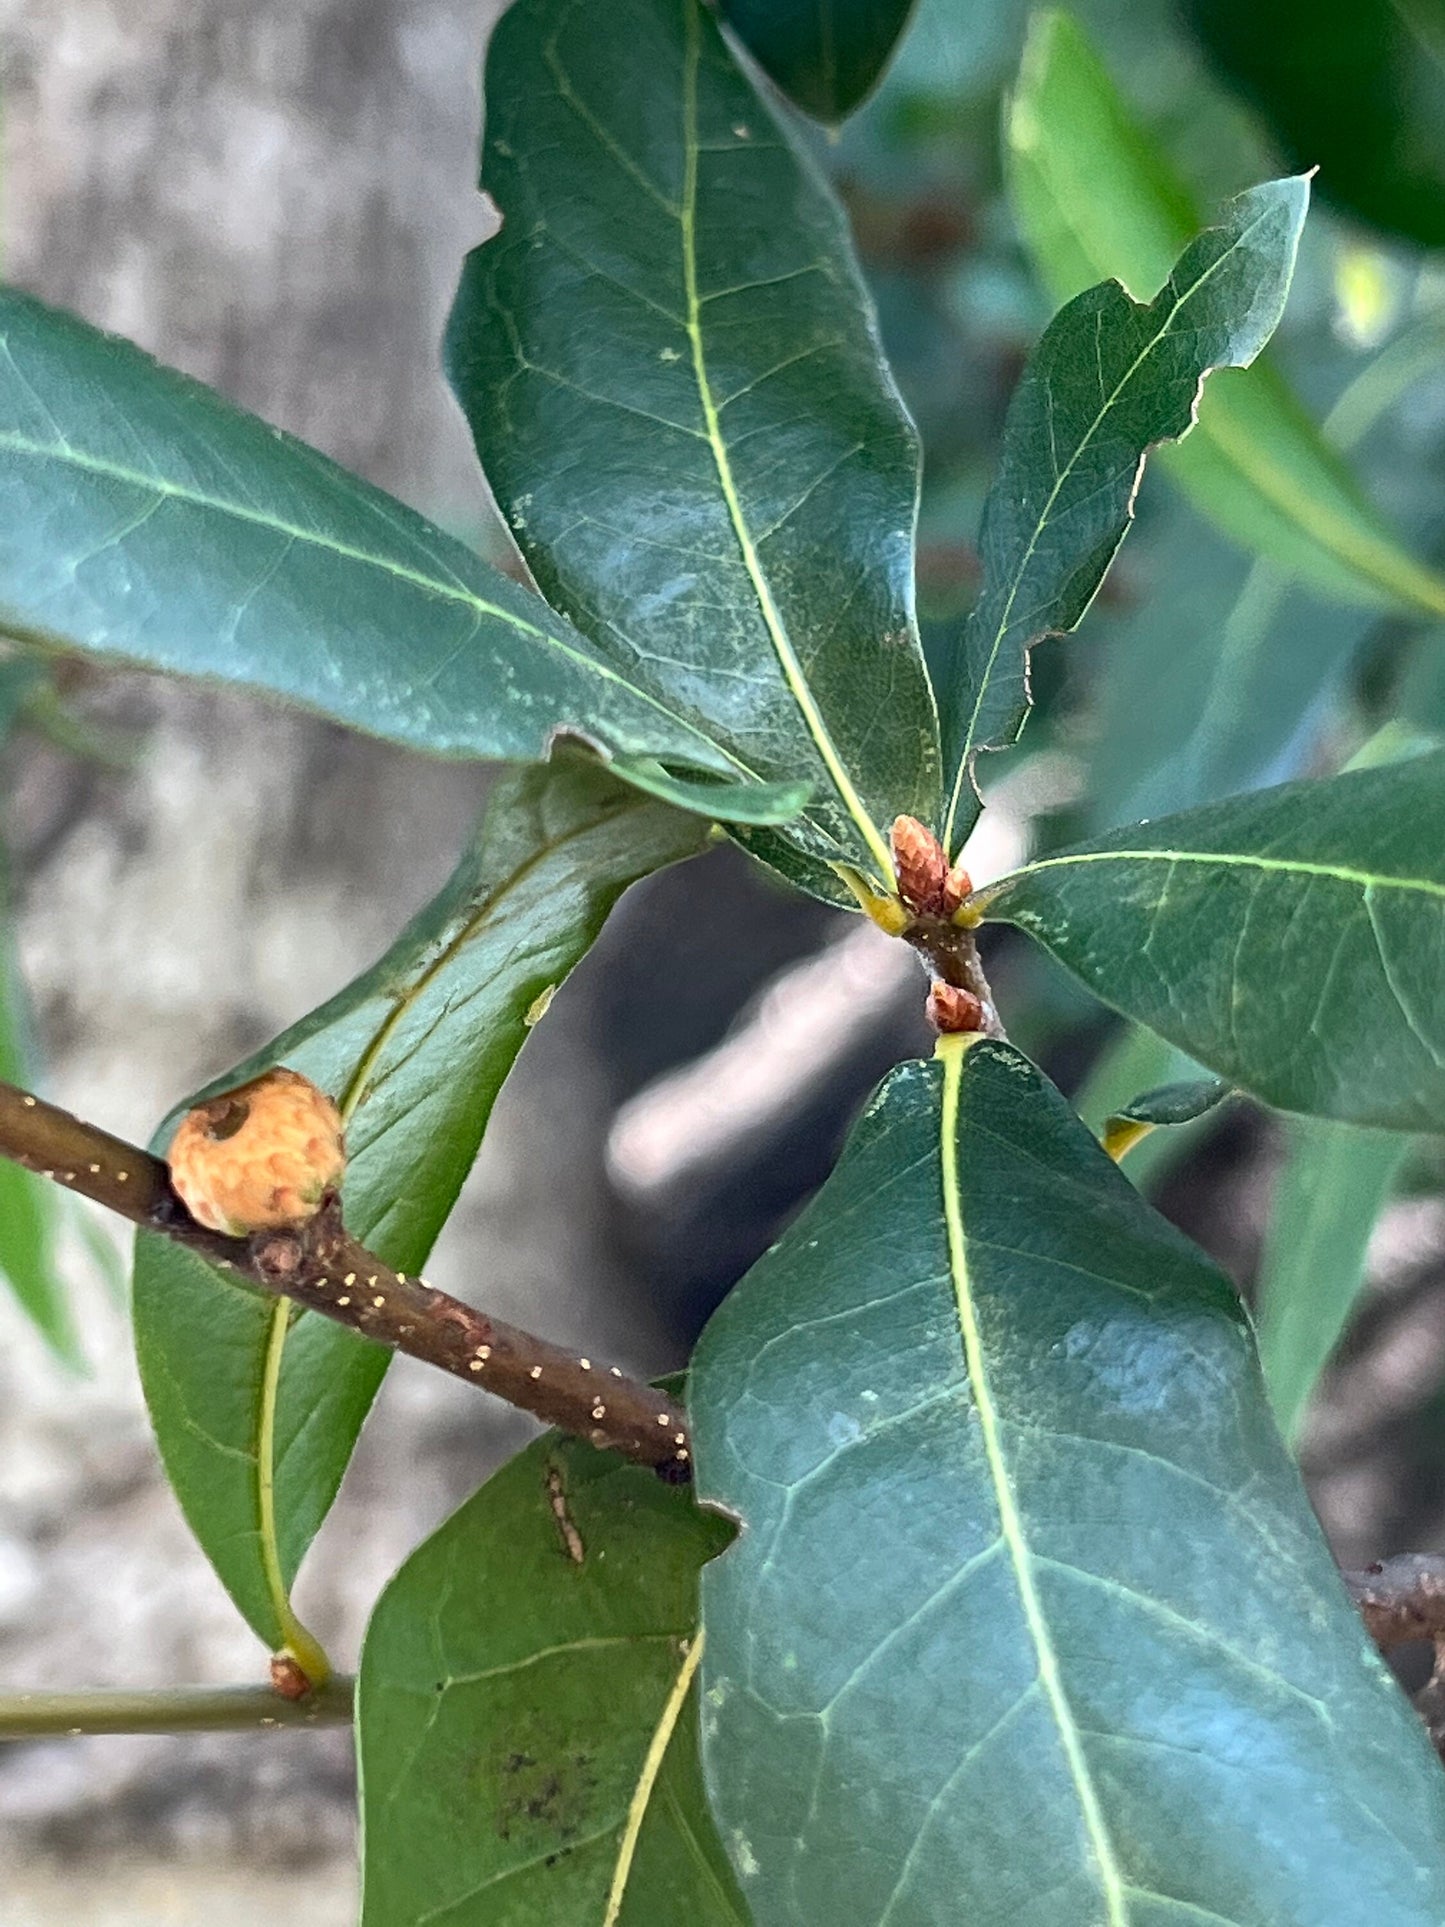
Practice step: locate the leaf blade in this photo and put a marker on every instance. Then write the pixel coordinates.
(573, 1795)
(1228, 900)
(1110, 378)
(736, 509)
(144, 519)
(416, 1049)
(866, 1755)
(1094, 197)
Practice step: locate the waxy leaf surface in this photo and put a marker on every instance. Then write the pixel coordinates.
(1292, 941)
(1029, 1623)
(256, 1418)
(144, 519)
(1109, 379)
(526, 1714)
(672, 373)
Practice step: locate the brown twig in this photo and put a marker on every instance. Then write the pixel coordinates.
(1401, 1600)
(951, 953)
(321, 1266)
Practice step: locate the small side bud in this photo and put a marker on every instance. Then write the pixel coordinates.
(921, 865)
(957, 885)
(952, 1010)
(260, 1157)
(287, 1678)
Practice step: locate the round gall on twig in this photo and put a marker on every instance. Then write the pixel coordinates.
(260, 1157)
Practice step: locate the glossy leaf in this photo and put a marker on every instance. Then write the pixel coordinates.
(1094, 198)
(1334, 1185)
(827, 55)
(672, 373)
(1292, 941)
(1108, 380)
(143, 519)
(256, 1418)
(1012, 1631)
(526, 1722)
(1356, 85)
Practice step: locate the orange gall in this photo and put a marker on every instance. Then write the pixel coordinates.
(258, 1158)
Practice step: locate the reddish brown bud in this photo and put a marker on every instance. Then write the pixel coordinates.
(260, 1157)
(287, 1678)
(957, 885)
(921, 866)
(952, 1009)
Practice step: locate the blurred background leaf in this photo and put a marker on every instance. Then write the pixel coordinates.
(826, 55)
(1353, 87)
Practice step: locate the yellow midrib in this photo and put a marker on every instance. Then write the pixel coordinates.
(1112, 1884)
(476, 919)
(348, 552)
(300, 1642)
(1375, 557)
(294, 1636)
(1001, 628)
(647, 1779)
(1218, 859)
(777, 632)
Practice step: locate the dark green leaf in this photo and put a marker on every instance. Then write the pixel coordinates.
(1353, 87)
(671, 370)
(1293, 941)
(1013, 1630)
(1134, 1059)
(1178, 1103)
(827, 55)
(143, 518)
(1173, 1105)
(1095, 198)
(415, 1052)
(1335, 1183)
(522, 1675)
(1109, 379)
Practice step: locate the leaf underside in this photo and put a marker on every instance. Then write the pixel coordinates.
(1335, 1183)
(1029, 1622)
(415, 1050)
(145, 520)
